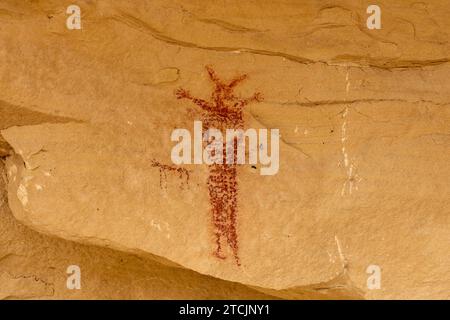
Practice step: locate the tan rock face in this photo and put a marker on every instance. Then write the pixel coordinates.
(33, 266)
(87, 117)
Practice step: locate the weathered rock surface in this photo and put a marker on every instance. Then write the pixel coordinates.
(33, 266)
(364, 158)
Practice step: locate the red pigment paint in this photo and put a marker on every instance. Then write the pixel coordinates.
(223, 111)
(164, 169)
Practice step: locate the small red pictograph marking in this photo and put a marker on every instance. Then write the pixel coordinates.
(164, 169)
(223, 111)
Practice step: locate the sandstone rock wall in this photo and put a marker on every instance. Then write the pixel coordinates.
(86, 118)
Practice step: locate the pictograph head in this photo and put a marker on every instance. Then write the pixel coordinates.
(224, 92)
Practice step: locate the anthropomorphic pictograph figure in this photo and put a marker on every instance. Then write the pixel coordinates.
(223, 111)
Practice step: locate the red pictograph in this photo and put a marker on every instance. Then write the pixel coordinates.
(182, 173)
(223, 111)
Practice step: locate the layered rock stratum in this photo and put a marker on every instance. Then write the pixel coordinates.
(86, 118)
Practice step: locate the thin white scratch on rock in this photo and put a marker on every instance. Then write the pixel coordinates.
(331, 257)
(341, 253)
(349, 165)
(168, 230)
(347, 86)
